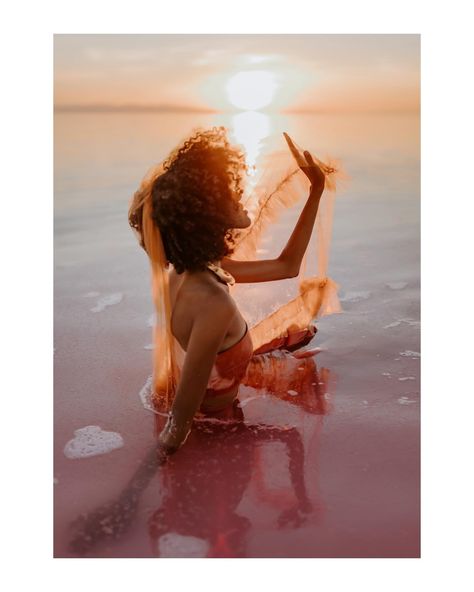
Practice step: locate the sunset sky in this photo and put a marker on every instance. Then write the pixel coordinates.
(323, 73)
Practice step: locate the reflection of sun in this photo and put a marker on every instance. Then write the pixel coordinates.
(251, 89)
(249, 129)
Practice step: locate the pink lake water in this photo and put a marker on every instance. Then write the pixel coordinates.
(234, 490)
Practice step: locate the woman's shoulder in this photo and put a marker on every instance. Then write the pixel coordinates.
(201, 296)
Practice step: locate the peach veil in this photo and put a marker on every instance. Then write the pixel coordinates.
(277, 184)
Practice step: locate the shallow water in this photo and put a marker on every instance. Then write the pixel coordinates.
(235, 489)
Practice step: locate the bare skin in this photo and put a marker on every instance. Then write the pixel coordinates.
(205, 319)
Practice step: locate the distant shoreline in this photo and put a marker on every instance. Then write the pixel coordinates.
(136, 108)
(177, 109)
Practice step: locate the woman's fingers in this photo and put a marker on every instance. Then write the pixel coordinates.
(309, 158)
(294, 150)
(306, 162)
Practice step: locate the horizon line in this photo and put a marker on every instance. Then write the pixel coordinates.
(132, 107)
(104, 108)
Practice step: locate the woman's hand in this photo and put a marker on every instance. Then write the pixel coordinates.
(307, 164)
(173, 435)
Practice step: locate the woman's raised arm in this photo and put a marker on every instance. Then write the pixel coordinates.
(295, 248)
(288, 263)
(207, 334)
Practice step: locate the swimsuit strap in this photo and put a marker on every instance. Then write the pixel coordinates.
(237, 342)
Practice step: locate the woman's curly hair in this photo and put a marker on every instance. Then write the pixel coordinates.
(194, 199)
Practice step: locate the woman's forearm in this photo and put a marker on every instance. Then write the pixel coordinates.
(295, 248)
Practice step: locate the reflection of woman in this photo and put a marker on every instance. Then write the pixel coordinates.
(203, 486)
(186, 215)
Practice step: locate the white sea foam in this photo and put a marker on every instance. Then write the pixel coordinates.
(149, 346)
(91, 294)
(172, 544)
(145, 394)
(108, 300)
(355, 296)
(410, 322)
(402, 378)
(406, 401)
(410, 354)
(394, 324)
(92, 441)
(396, 285)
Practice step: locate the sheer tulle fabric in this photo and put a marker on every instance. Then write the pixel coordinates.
(277, 184)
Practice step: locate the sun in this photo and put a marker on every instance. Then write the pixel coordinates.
(251, 90)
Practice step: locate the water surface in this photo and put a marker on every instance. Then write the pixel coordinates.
(234, 493)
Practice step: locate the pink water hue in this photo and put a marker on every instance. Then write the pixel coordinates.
(328, 472)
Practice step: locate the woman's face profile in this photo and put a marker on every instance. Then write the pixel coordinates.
(240, 217)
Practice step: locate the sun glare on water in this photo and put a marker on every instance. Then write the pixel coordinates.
(251, 90)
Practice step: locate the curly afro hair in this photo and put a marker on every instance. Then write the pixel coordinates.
(195, 197)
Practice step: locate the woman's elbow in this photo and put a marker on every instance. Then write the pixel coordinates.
(289, 269)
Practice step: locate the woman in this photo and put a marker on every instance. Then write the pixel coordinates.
(188, 213)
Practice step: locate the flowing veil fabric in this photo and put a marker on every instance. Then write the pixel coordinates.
(276, 185)
(281, 185)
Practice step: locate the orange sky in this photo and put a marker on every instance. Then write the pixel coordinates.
(326, 73)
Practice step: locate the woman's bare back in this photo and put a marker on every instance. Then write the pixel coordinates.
(188, 295)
